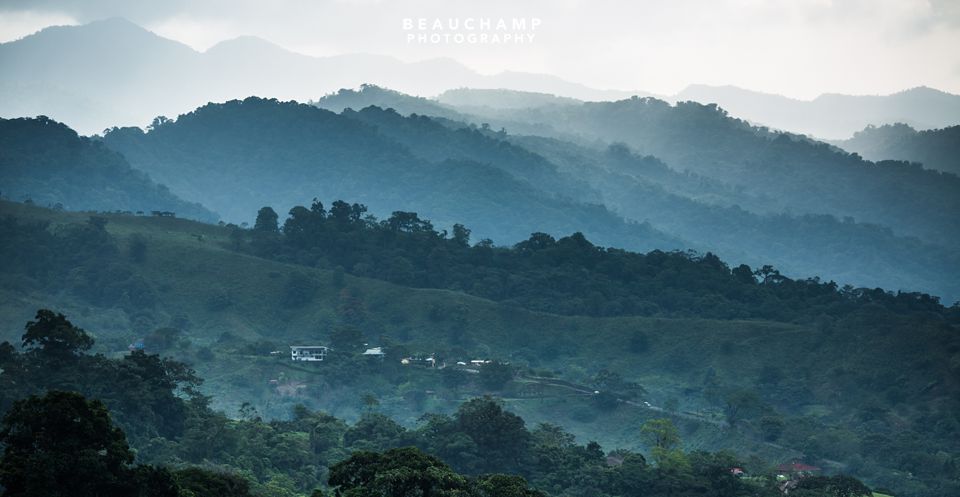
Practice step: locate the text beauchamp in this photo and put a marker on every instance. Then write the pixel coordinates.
(471, 30)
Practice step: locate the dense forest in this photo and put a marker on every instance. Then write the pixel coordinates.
(569, 275)
(191, 291)
(506, 187)
(47, 163)
(183, 448)
(934, 148)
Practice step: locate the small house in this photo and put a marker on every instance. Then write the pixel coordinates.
(419, 360)
(308, 352)
(374, 352)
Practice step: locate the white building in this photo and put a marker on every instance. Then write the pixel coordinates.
(375, 352)
(308, 352)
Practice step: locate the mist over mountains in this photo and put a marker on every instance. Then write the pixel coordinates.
(832, 116)
(934, 148)
(638, 173)
(290, 266)
(505, 186)
(138, 75)
(242, 155)
(115, 73)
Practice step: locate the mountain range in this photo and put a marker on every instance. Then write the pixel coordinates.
(115, 73)
(242, 155)
(618, 268)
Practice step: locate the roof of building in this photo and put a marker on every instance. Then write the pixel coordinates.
(374, 351)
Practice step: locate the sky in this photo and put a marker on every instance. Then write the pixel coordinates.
(798, 48)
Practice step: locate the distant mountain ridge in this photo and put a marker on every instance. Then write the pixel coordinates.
(775, 172)
(829, 116)
(934, 148)
(832, 116)
(138, 75)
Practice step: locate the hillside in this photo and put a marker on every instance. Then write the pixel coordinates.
(709, 213)
(243, 155)
(371, 95)
(478, 100)
(934, 148)
(46, 162)
(504, 187)
(483, 449)
(231, 309)
(776, 172)
(828, 116)
(437, 141)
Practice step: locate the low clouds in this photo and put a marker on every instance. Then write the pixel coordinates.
(90, 10)
(798, 48)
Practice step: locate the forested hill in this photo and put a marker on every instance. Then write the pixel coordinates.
(242, 155)
(385, 98)
(934, 148)
(720, 215)
(224, 297)
(569, 275)
(785, 172)
(437, 140)
(48, 163)
(709, 213)
(52, 434)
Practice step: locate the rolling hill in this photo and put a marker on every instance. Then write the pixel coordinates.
(48, 163)
(777, 172)
(243, 155)
(937, 149)
(232, 305)
(719, 215)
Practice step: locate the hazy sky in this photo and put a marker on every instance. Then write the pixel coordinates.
(799, 48)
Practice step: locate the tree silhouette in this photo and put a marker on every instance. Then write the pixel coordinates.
(53, 336)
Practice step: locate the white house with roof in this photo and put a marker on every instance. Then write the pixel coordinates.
(375, 352)
(308, 352)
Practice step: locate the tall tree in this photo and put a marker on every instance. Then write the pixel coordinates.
(267, 220)
(63, 445)
(395, 473)
(55, 337)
